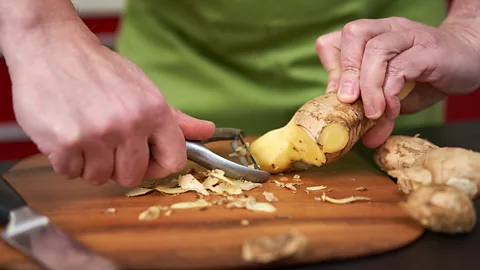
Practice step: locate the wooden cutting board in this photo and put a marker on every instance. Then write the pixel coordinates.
(212, 238)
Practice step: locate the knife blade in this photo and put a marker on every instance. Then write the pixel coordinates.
(35, 236)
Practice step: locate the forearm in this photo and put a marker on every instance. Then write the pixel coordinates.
(26, 24)
(466, 13)
(465, 9)
(30, 13)
(463, 22)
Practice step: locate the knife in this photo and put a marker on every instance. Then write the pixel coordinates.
(35, 236)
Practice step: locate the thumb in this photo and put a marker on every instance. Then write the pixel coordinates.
(193, 128)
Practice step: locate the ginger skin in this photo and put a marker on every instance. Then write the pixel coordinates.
(416, 162)
(449, 166)
(440, 182)
(401, 152)
(442, 209)
(321, 131)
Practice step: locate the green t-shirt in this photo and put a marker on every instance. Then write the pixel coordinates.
(250, 64)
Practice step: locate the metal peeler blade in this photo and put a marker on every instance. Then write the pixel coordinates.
(198, 153)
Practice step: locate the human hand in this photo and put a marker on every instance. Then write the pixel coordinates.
(373, 58)
(96, 115)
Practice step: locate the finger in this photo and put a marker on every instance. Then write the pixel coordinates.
(397, 74)
(67, 162)
(167, 148)
(355, 36)
(99, 163)
(193, 128)
(379, 133)
(378, 52)
(328, 50)
(131, 161)
(421, 97)
(412, 64)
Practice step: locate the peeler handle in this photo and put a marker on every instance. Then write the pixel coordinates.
(223, 134)
(201, 155)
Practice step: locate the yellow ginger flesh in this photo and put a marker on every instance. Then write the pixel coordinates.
(321, 131)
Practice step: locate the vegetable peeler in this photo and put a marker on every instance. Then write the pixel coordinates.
(198, 153)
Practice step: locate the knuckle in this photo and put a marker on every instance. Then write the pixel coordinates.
(174, 165)
(98, 177)
(175, 110)
(99, 129)
(118, 125)
(334, 76)
(68, 140)
(129, 122)
(394, 71)
(354, 29)
(104, 135)
(156, 106)
(156, 101)
(349, 64)
(57, 168)
(396, 68)
(323, 41)
(90, 178)
(399, 20)
(128, 179)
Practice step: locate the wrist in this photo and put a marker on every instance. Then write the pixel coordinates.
(464, 30)
(461, 41)
(464, 15)
(24, 15)
(463, 23)
(27, 26)
(24, 45)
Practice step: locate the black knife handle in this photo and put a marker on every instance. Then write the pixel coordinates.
(9, 200)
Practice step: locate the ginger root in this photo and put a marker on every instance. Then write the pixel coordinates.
(321, 131)
(401, 152)
(442, 209)
(416, 162)
(271, 248)
(440, 181)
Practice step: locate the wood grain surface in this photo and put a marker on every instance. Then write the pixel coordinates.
(212, 238)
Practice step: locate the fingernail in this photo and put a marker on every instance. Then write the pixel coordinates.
(346, 90)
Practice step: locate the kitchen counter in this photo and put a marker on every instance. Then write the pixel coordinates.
(431, 251)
